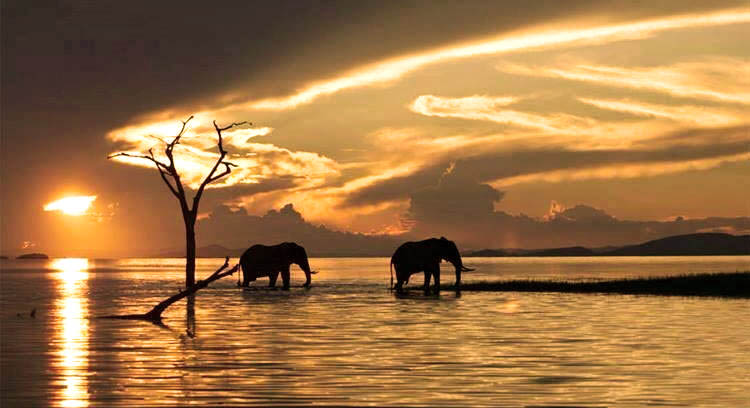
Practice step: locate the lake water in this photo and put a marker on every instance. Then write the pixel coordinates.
(348, 341)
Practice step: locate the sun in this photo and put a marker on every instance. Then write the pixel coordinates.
(74, 205)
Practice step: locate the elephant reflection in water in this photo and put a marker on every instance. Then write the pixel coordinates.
(425, 256)
(261, 261)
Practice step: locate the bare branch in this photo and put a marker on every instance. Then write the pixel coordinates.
(211, 177)
(137, 156)
(221, 129)
(166, 181)
(158, 138)
(226, 171)
(244, 122)
(182, 130)
(154, 314)
(170, 146)
(159, 164)
(163, 172)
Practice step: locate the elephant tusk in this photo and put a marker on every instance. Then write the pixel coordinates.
(465, 269)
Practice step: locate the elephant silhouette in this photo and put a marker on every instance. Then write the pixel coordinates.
(425, 256)
(262, 260)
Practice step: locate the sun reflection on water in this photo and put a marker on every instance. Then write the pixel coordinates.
(72, 333)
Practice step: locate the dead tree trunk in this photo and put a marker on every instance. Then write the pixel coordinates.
(171, 178)
(189, 255)
(154, 315)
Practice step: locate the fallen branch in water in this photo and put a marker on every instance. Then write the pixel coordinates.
(154, 315)
(734, 285)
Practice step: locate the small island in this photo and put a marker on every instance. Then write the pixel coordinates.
(34, 255)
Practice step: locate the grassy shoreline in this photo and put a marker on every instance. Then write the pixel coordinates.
(732, 284)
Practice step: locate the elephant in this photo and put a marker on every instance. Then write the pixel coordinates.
(262, 260)
(413, 257)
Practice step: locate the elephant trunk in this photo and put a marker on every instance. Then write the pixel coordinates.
(305, 266)
(460, 268)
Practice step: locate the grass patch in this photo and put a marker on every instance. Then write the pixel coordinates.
(733, 285)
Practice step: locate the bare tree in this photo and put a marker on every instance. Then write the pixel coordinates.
(171, 177)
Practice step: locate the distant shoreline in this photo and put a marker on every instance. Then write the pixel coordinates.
(729, 285)
(700, 244)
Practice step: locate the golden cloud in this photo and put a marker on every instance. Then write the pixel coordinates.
(538, 38)
(716, 79)
(630, 170)
(196, 154)
(693, 115)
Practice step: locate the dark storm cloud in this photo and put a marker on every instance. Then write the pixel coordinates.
(453, 198)
(464, 212)
(236, 229)
(683, 146)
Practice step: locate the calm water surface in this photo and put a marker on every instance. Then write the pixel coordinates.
(348, 341)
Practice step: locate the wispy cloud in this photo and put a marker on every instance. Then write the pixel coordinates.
(393, 69)
(694, 115)
(717, 79)
(620, 170)
(491, 109)
(196, 154)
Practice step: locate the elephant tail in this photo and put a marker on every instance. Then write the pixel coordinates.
(239, 284)
(391, 288)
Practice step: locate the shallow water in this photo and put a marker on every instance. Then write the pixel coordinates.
(348, 341)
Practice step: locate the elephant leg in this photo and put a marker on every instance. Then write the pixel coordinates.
(248, 277)
(427, 282)
(437, 281)
(245, 276)
(272, 276)
(435, 272)
(285, 277)
(399, 286)
(399, 280)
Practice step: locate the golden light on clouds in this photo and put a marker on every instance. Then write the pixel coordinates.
(697, 115)
(73, 205)
(718, 79)
(196, 154)
(489, 108)
(393, 69)
(620, 171)
(569, 95)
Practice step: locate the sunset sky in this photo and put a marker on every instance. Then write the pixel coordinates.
(497, 124)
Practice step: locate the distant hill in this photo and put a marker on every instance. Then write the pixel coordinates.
(568, 251)
(33, 256)
(489, 253)
(691, 244)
